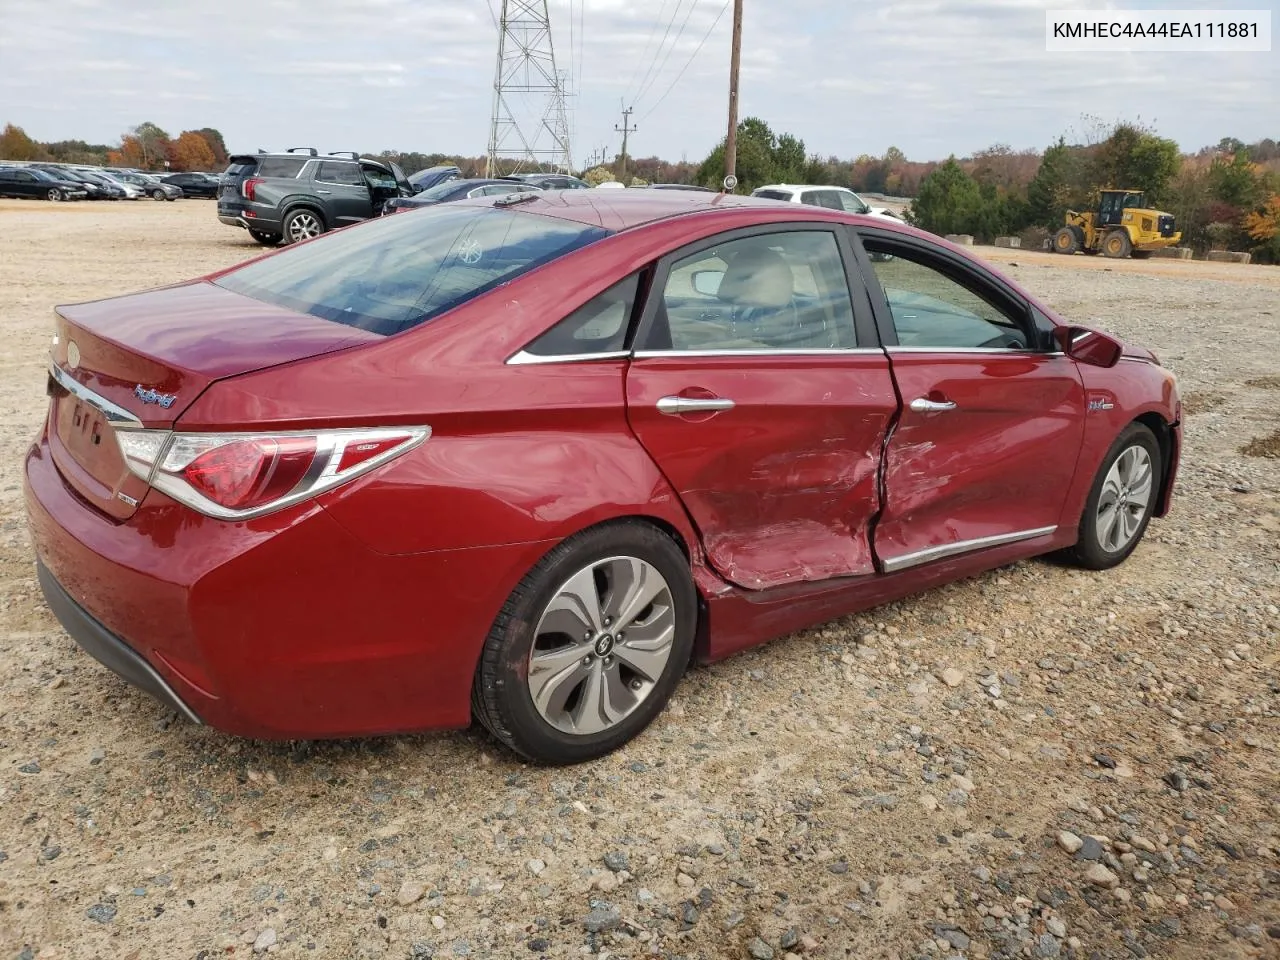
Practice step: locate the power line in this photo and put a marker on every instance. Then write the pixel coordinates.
(689, 62)
(640, 60)
(661, 43)
(657, 73)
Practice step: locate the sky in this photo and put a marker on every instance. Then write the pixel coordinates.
(848, 77)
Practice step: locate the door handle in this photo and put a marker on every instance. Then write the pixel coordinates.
(675, 406)
(324, 191)
(925, 405)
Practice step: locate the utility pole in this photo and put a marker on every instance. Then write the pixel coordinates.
(735, 60)
(624, 130)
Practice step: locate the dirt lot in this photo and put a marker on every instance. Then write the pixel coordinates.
(901, 784)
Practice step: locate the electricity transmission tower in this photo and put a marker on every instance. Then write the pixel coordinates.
(530, 116)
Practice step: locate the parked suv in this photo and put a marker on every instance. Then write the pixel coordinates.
(299, 194)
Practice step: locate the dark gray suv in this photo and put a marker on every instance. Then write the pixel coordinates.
(299, 194)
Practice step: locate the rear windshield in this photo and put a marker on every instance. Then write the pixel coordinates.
(265, 166)
(393, 273)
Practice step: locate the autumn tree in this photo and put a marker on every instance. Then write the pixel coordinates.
(151, 142)
(191, 151)
(16, 145)
(217, 146)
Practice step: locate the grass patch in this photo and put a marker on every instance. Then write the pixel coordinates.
(1268, 446)
(1199, 401)
(1264, 383)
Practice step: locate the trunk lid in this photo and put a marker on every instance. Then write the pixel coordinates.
(141, 360)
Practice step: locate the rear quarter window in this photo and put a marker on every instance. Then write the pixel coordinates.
(393, 273)
(287, 167)
(772, 194)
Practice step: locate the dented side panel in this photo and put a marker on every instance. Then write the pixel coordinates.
(783, 487)
(1000, 462)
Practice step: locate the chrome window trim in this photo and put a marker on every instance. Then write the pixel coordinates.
(929, 554)
(117, 416)
(525, 358)
(989, 351)
(778, 352)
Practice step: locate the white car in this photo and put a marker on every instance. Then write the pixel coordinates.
(835, 198)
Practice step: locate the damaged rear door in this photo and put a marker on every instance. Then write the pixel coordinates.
(759, 389)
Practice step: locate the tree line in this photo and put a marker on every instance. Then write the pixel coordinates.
(145, 147)
(1225, 196)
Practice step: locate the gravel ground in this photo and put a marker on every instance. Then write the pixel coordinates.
(1038, 762)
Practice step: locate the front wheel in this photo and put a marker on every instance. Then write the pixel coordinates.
(589, 646)
(1122, 500)
(1117, 244)
(157, 194)
(1066, 241)
(56, 196)
(302, 225)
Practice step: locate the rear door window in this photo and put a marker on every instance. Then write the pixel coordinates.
(336, 171)
(394, 273)
(773, 194)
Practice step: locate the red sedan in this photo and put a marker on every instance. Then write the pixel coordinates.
(523, 460)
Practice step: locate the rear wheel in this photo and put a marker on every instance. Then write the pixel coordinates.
(264, 238)
(589, 646)
(1116, 244)
(55, 195)
(1122, 500)
(302, 225)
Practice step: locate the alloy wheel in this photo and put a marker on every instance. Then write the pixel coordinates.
(55, 195)
(304, 226)
(1126, 494)
(601, 645)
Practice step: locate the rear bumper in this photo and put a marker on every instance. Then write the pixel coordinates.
(283, 627)
(105, 647)
(247, 216)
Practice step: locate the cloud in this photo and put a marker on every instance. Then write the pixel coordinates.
(929, 76)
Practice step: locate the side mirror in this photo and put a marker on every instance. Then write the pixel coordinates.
(707, 282)
(1089, 346)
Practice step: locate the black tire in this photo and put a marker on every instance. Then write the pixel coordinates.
(55, 195)
(1089, 551)
(500, 695)
(157, 194)
(302, 223)
(1066, 241)
(1116, 244)
(264, 238)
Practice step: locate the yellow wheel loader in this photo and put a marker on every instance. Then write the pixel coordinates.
(1122, 226)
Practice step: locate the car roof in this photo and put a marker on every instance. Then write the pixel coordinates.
(803, 186)
(623, 209)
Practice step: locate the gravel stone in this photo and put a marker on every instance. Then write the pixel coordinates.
(1069, 842)
(757, 949)
(1100, 876)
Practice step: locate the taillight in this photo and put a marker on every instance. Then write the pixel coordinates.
(236, 476)
(249, 186)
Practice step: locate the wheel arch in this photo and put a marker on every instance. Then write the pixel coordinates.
(1167, 440)
(304, 203)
